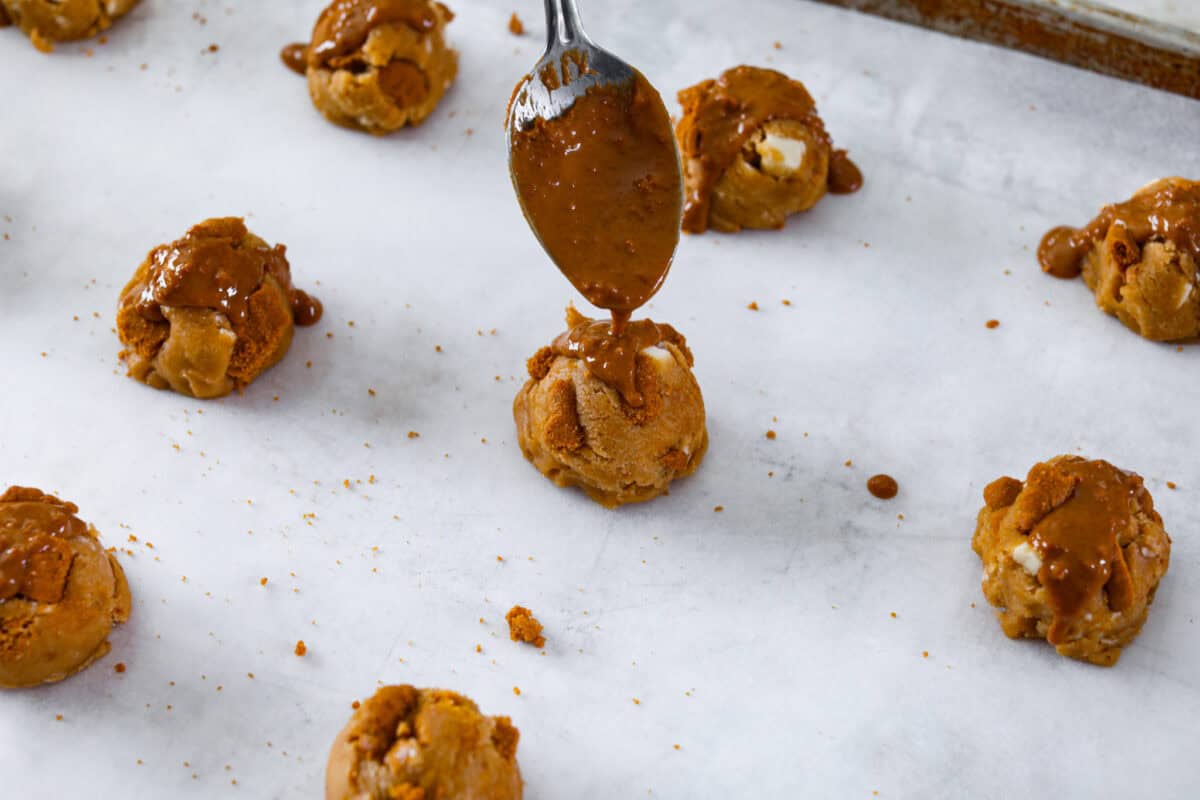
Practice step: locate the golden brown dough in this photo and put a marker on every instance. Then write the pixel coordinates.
(210, 312)
(1140, 257)
(580, 431)
(60, 592)
(378, 65)
(1072, 555)
(755, 151)
(49, 21)
(423, 744)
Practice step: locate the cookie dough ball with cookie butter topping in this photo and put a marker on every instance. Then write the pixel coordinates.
(423, 744)
(617, 415)
(377, 65)
(60, 592)
(210, 312)
(1140, 257)
(754, 152)
(49, 21)
(1072, 555)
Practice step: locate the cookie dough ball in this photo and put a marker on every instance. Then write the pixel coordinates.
(49, 21)
(423, 744)
(210, 312)
(1140, 257)
(754, 152)
(378, 65)
(60, 592)
(619, 417)
(1073, 555)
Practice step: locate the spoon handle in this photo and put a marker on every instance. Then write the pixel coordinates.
(563, 25)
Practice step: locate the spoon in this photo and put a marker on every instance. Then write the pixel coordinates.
(601, 188)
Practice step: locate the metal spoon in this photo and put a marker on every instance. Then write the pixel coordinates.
(567, 48)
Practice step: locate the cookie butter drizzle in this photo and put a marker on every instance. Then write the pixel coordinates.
(1079, 542)
(720, 116)
(344, 26)
(35, 565)
(601, 186)
(1168, 209)
(295, 57)
(210, 267)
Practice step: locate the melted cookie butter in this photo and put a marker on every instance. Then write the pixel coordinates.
(610, 356)
(1168, 210)
(601, 186)
(344, 25)
(720, 116)
(295, 57)
(34, 563)
(1079, 545)
(211, 267)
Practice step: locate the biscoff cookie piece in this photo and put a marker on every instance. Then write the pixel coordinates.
(61, 593)
(620, 417)
(1072, 555)
(377, 65)
(208, 313)
(50, 21)
(755, 151)
(406, 743)
(1141, 258)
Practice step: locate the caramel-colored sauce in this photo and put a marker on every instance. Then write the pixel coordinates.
(600, 184)
(612, 356)
(720, 116)
(4, 20)
(883, 486)
(1167, 210)
(344, 25)
(212, 267)
(35, 556)
(1079, 541)
(295, 57)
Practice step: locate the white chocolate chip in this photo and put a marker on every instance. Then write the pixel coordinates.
(780, 155)
(1027, 557)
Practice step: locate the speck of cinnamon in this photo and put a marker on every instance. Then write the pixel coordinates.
(119, 667)
(993, 323)
(524, 627)
(437, 348)
(58, 717)
(718, 509)
(414, 435)
(778, 45)
(924, 654)
(212, 48)
(371, 392)
(893, 615)
(676, 747)
(308, 365)
(301, 649)
(753, 306)
(499, 558)
(637, 702)
(849, 463)
(786, 302)
(1171, 484)
(771, 435)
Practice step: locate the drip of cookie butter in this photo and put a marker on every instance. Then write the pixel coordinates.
(212, 267)
(720, 116)
(600, 185)
(344, 25)
(1079, 541)
(295, 57)
(611, 356)
(1168, 209)
(34, 564)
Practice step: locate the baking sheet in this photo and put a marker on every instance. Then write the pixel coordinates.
(758, 639)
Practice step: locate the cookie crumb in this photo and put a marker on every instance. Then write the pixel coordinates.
(262, 581)
(718, 509)
(993, 323)
(883, 486)
(301, 649)
(778, 45)
(1171, 485)
(753, 306)
(119, 667)
(515, 26)
(771, 435)
(517, 691)
(414, 435)
(524, 627)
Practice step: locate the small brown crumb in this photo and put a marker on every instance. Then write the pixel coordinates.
(524, 627)
(883, 486)
(753, 306)
(212, 48)
(637, 702)
(849, 463)
(499, 558)
(924, 654)
(478, 648)
(778, 45)
(308, 364)
(676, 747)
(718, 509)
(414, 435)
(58, 717)
(355, 705)
(371, 392)
(301, 649)
(437, 348)
(515, 26)
(262, 581)
(787, 302)
(517, 691)
(119, 667)
(893, 615)
(771, 435)
(993, 323)
(1171, 484)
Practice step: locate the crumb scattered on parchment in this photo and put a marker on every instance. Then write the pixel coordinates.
(414, 435)
(524, 627)
(1171, 484)
(778, 45)
(515, 26)
(771, 435)
(753, 305)
(517, 691)
(119, 667)
(301, 649)
(993, 323)
(718, 509)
